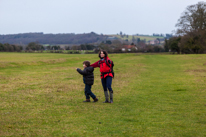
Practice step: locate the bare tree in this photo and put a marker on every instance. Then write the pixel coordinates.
(193, 19)
(192, 29)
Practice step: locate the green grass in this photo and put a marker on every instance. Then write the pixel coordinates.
(154, 95)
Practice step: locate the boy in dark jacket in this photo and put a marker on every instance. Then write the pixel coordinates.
(88, 78)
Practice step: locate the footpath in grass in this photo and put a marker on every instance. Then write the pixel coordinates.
(154, 95)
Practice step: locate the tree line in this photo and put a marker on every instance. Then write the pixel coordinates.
(6, 47)
(115, 46)
(191, 33)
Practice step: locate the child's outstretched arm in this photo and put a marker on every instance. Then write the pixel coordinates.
(81, 72)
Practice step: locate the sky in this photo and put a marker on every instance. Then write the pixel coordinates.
(85, 16)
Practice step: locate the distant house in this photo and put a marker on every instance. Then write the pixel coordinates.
(154, 42)
(129, 47)
(162, 40)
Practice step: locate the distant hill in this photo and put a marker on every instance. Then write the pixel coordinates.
(69, 38)
(129, 38)
(42, 38)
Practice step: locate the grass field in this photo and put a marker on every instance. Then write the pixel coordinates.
(154, 95)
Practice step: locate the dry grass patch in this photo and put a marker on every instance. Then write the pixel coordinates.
(196, 70)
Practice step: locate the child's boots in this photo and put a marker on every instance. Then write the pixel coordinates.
(95, 100)
(87, 100)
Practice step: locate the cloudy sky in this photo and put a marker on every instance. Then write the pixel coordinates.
(84, 16)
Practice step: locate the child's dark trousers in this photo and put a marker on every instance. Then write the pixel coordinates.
(88, 92)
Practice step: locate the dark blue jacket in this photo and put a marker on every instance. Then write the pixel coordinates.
(88, 76)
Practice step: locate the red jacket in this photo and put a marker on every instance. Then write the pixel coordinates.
(104, 68)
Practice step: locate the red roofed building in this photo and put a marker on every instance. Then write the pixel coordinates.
(128, 47)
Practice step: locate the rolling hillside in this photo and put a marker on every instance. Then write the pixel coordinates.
(147, 38)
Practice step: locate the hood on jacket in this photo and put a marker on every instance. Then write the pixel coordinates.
(89, 69)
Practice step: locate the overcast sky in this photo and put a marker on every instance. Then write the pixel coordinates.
(85, 16)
